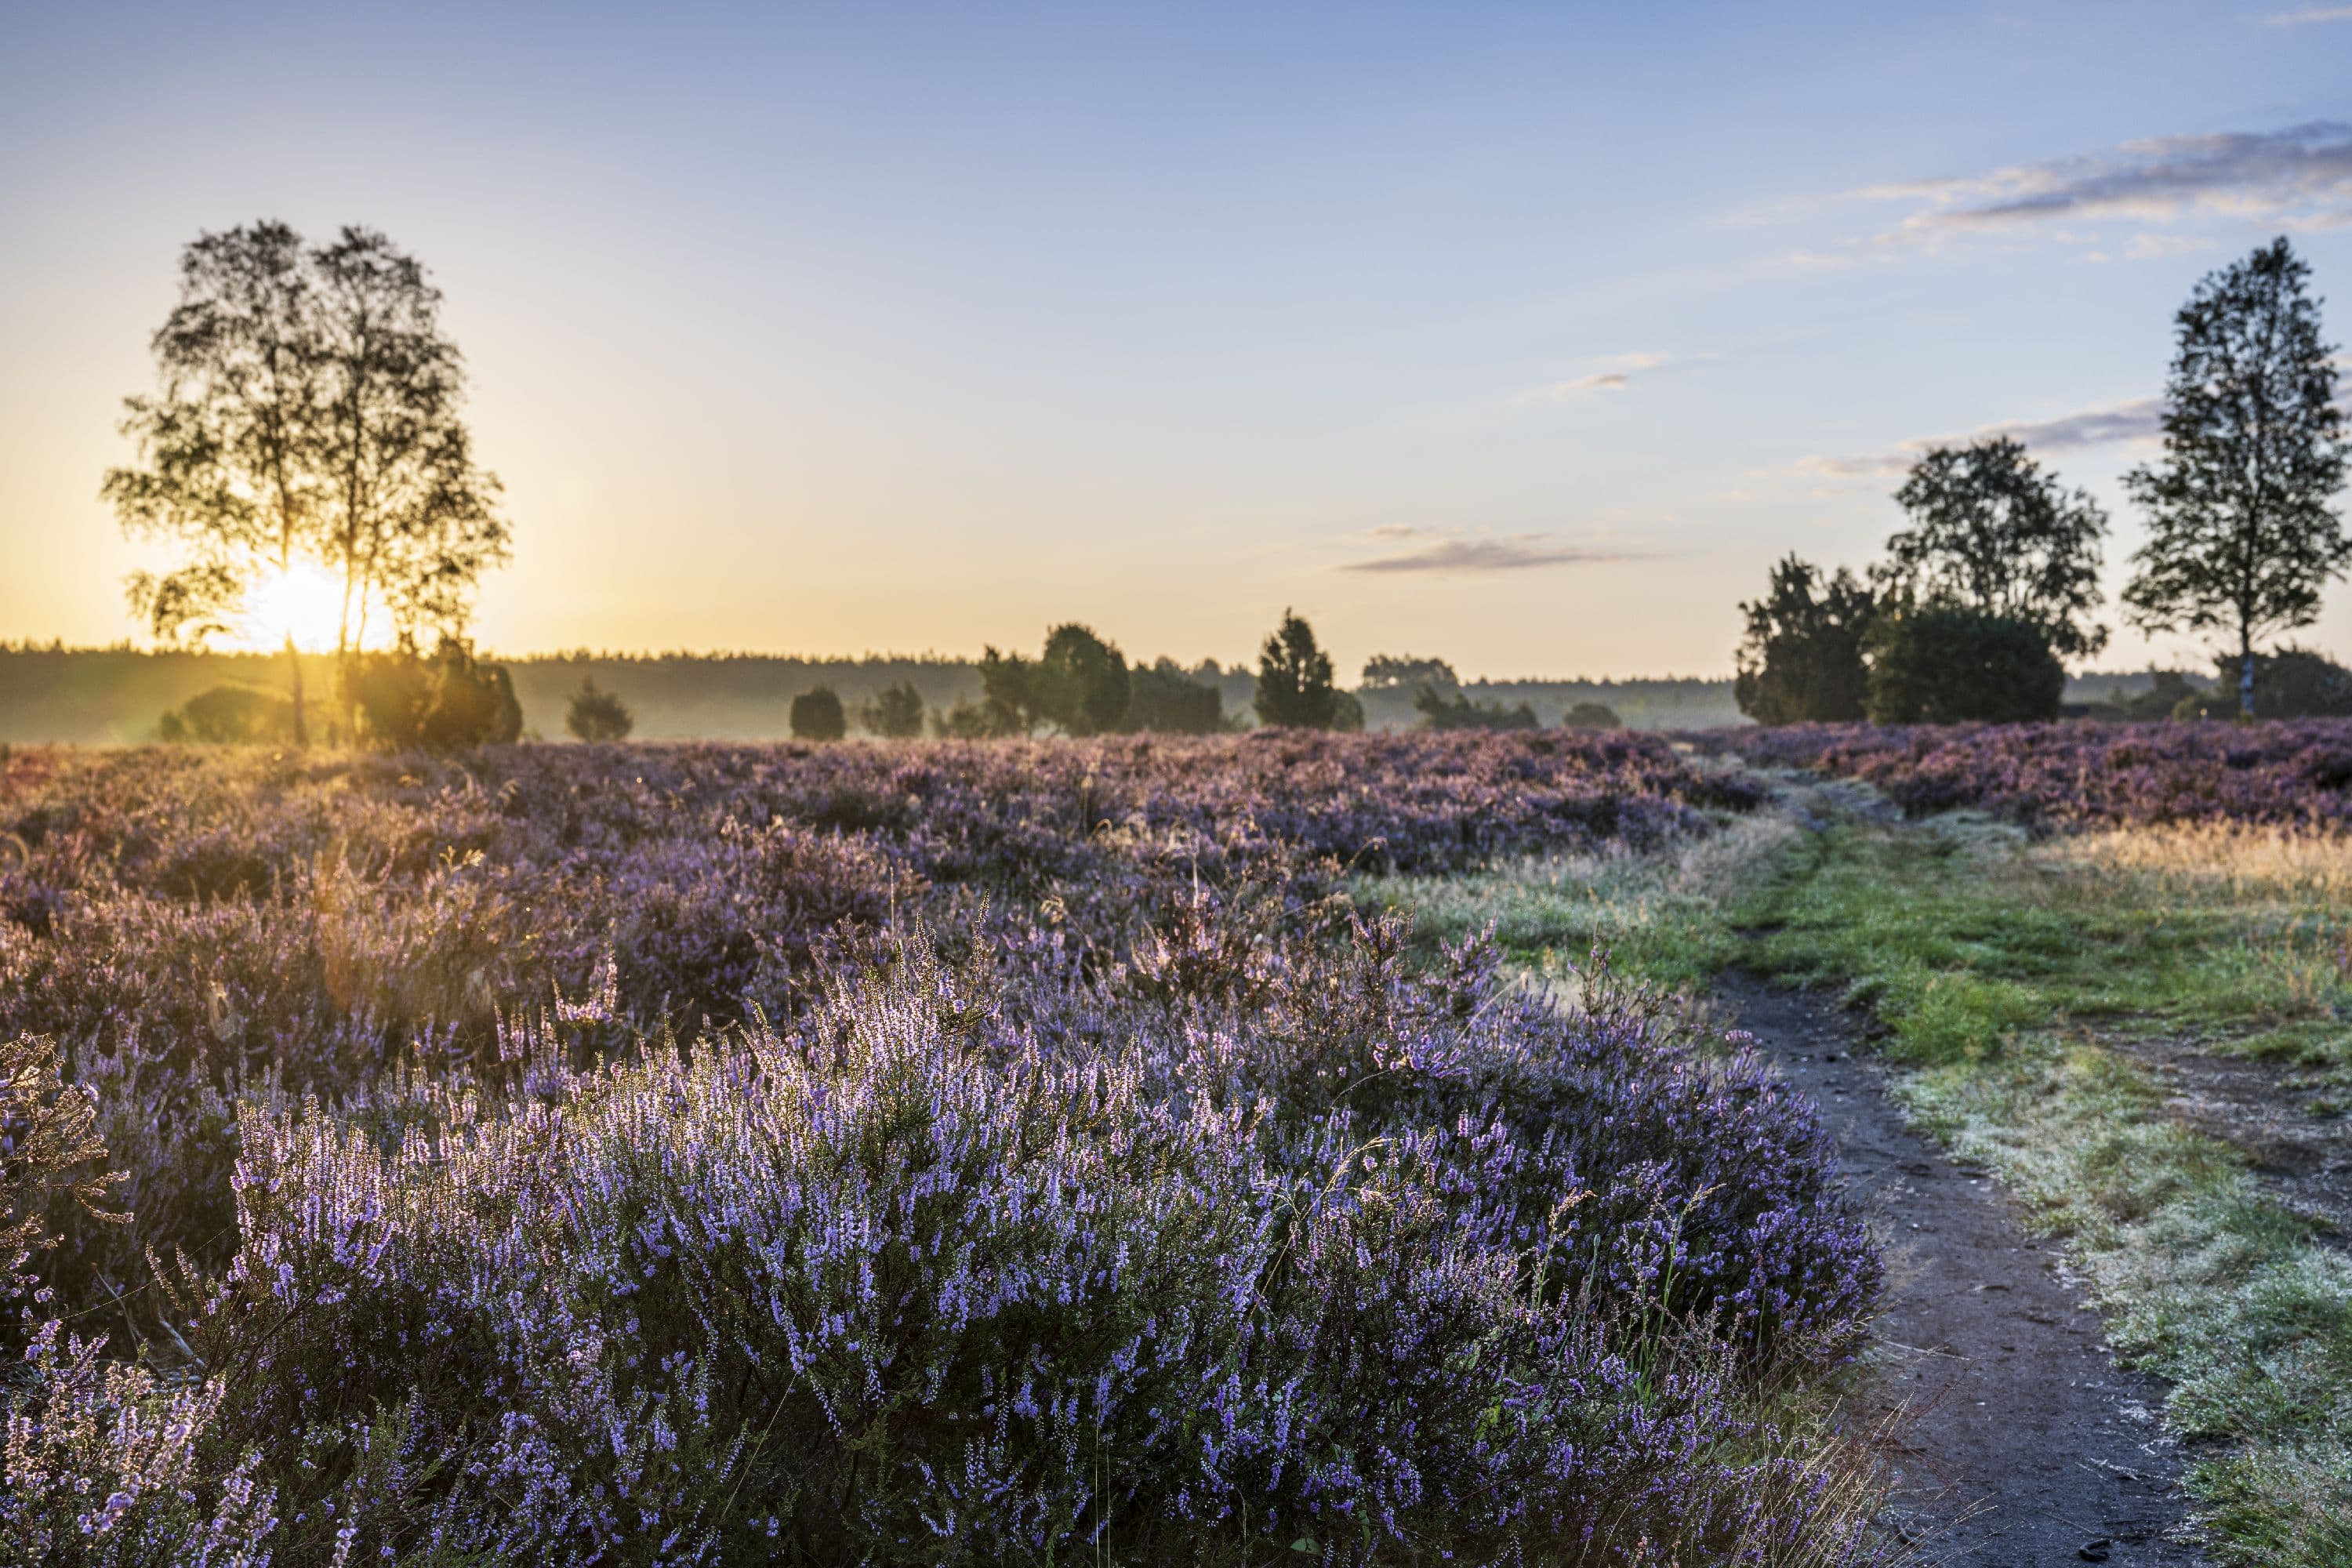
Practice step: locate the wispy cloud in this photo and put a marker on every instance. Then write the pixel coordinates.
(1611, 372)
(2136, 421)
(2140, 420)
(2307, 15)
(1507, 552)
(2143, 247)
(2300, 176)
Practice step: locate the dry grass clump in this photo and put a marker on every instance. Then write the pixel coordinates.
(2245, 859)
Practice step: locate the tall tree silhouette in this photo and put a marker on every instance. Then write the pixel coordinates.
(2241, 537)
(228, 464)
(311, 408)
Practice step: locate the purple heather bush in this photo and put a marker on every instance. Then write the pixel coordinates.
(894, 1154)
(2292, 772)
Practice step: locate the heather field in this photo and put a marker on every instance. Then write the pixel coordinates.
(1290, 1147)
(920, 1153)
(2284, 772)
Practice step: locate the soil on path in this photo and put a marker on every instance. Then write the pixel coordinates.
(2020, 1443)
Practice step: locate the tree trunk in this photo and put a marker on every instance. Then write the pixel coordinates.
(2245, 673)
(294, 664)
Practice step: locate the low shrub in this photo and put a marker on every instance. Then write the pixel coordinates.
(447, 701)
(230, 715)
(817, 715)
(1164, 700)
(597, 715)
(1456, 711)
(1591, 716)
(2296, 772)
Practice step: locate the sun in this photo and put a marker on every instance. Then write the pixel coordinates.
(304, 602)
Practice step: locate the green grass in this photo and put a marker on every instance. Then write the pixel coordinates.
(1957, 933)
(2019, 986)
(1664, 916)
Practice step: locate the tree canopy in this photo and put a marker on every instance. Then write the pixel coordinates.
(1949, 664)
(1165, 697)
(595, 714)
(817, 715)
(897, 711)
(1992, 532)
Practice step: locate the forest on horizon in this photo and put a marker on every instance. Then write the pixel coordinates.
(115, 696)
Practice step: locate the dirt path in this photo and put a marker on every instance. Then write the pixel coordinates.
(2023, 1444)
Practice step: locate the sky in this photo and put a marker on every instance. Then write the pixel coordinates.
(1527, 336)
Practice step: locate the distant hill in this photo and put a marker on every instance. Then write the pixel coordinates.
(114, 696)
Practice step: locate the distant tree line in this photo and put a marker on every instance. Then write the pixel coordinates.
(1994, 583)
(1081, 684)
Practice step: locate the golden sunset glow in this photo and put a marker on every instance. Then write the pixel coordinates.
(305, 602)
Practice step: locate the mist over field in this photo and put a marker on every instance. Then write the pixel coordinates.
(102, 697)
(112, 697)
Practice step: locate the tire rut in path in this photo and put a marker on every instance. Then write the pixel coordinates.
(2021, 1443)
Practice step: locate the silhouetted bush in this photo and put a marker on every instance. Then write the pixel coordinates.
(1162, 698)
(1801, 659)
(896, 711)
(441, 704)
(237, 715)
(1440, 710)
(1943, 664)
(598, 715)
(1591, 716)
(2299, 683)
(817, 715)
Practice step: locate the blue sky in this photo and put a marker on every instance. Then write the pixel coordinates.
(1524, 335)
